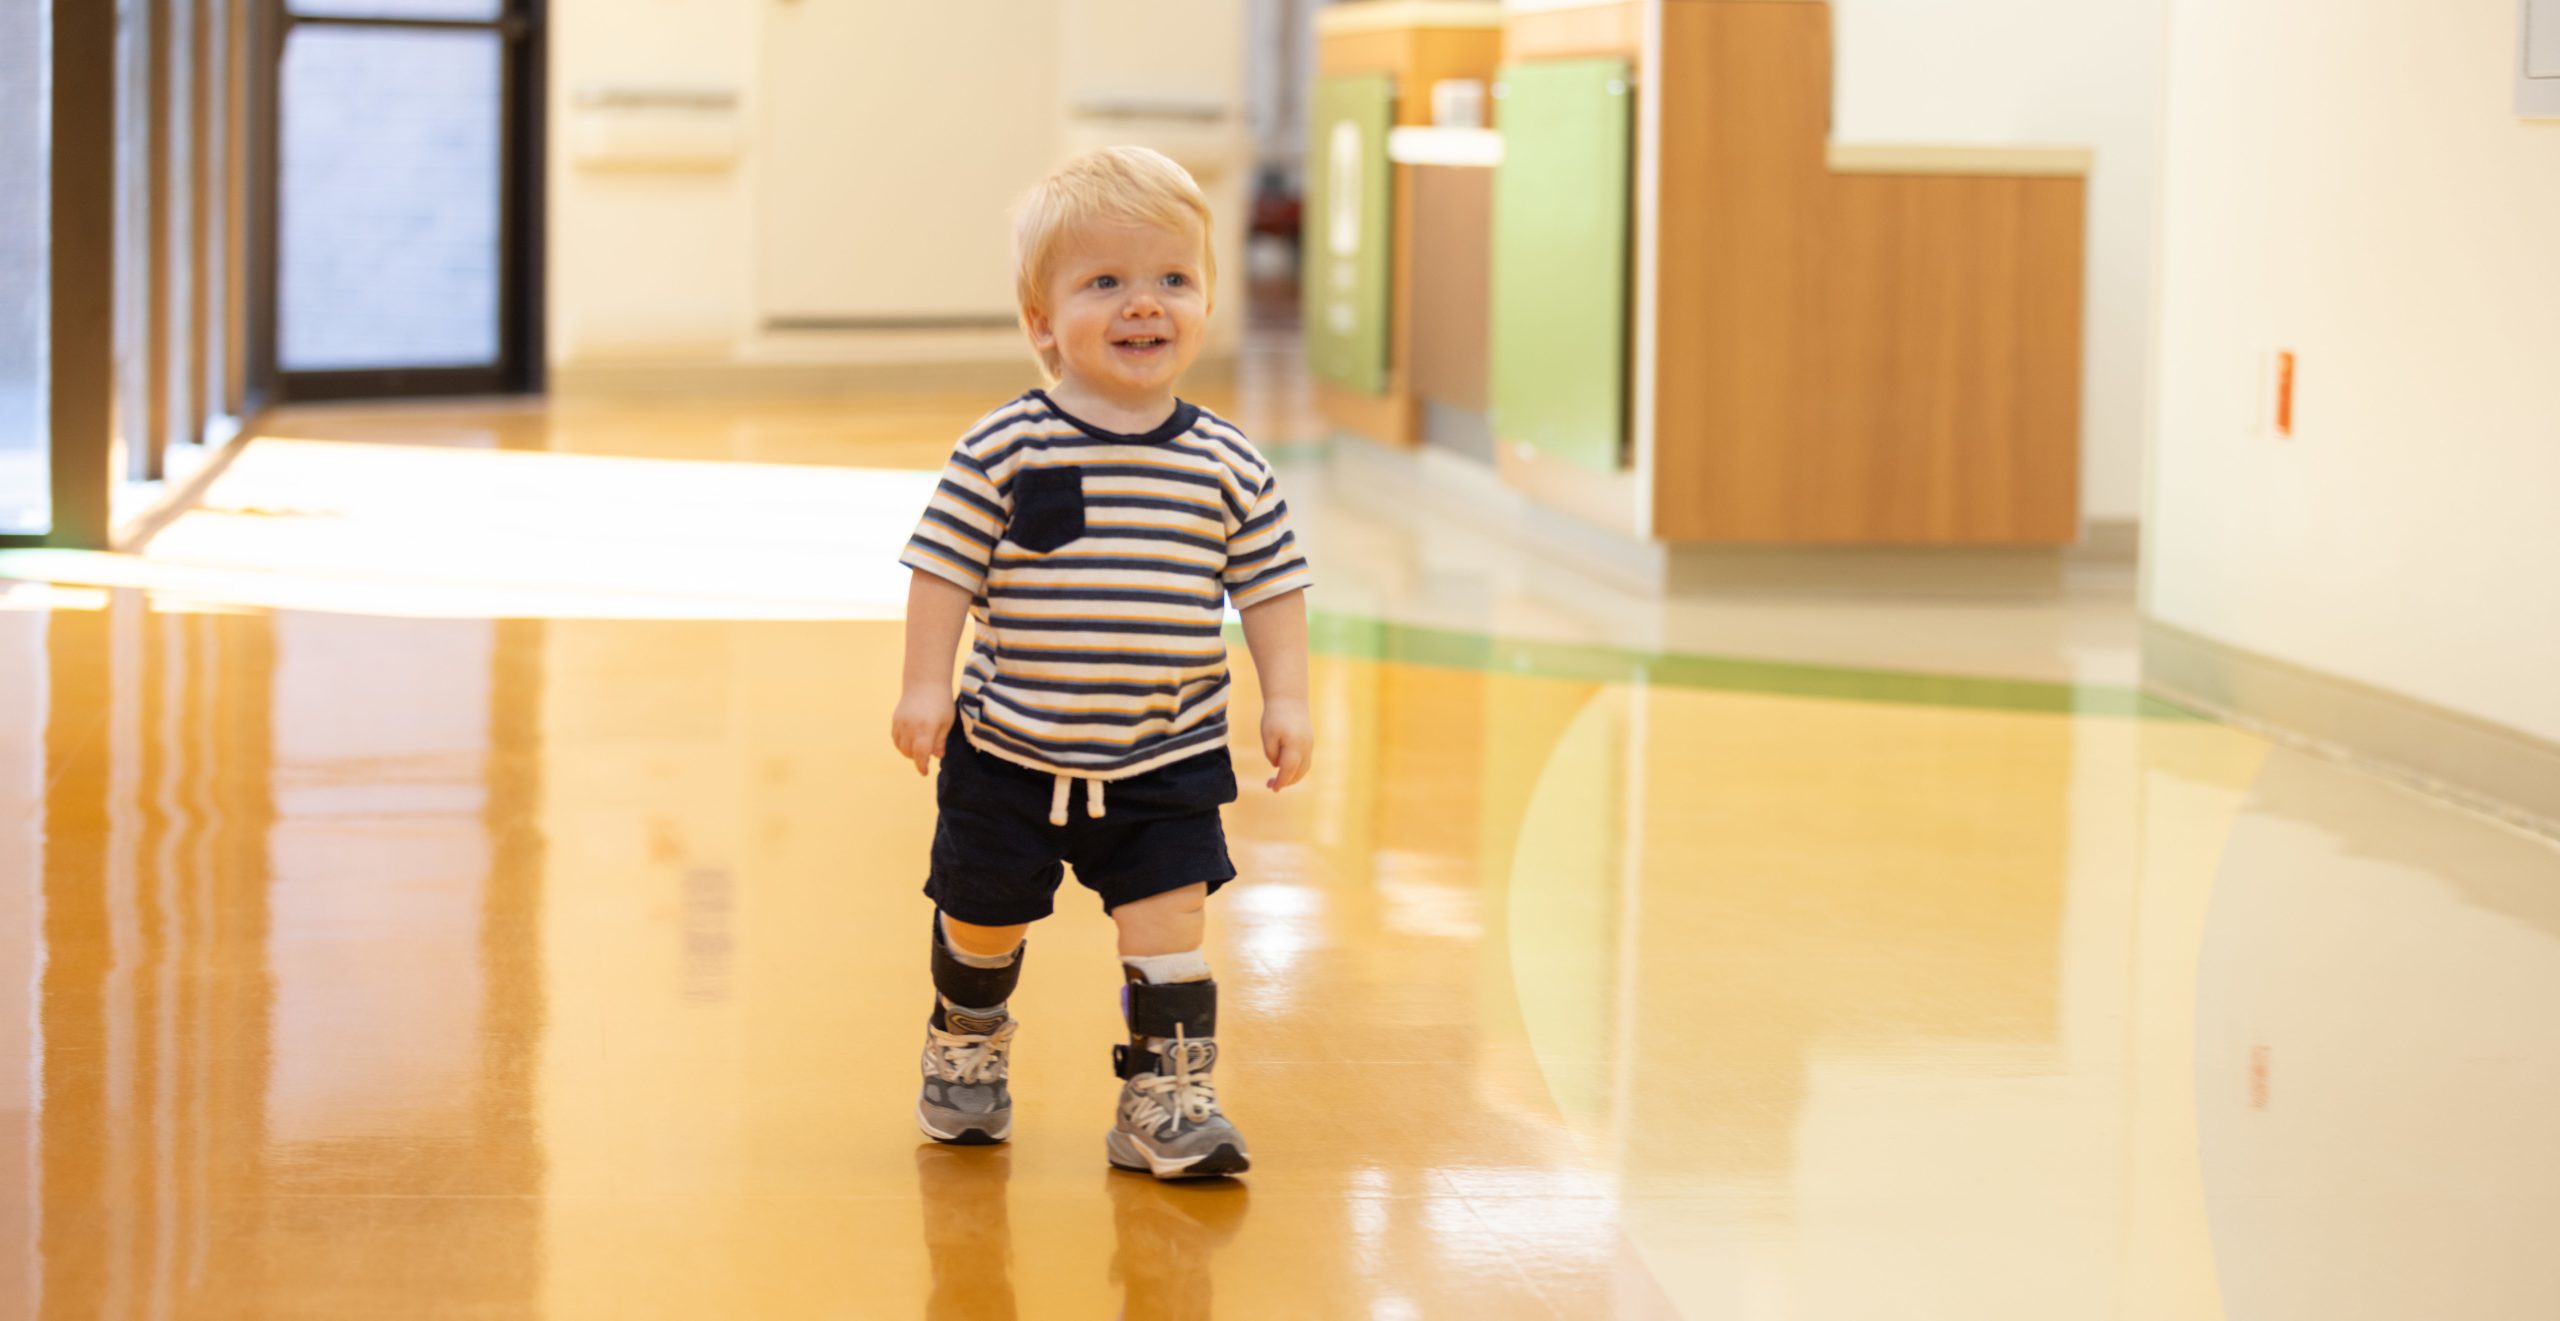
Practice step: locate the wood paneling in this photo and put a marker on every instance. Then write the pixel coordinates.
(1385, 51)
(1581, 32)
(2007, 162)
(1452, 283)
(1849, 358)
(1341, 18)
(1418, 57)
(1393, 418)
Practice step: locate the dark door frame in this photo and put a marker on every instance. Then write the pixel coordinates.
(81, 258)
(519, 368)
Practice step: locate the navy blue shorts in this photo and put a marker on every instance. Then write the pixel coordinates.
(997, 860)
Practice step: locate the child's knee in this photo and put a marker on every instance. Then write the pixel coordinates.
(1188, 901)
(970, 938)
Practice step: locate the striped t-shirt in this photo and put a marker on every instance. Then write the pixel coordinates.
(1098, 564)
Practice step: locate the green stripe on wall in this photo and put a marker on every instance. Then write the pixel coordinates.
(1379, 640)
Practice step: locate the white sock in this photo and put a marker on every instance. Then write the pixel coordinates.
(1188, 966)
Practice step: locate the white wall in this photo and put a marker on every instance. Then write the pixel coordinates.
(1120, 56)
(2349, 181)
(653, 263)
(649, 263)
(2037, 73)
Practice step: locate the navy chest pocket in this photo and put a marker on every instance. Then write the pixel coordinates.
(1048, 508)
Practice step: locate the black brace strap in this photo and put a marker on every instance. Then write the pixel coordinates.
(1157, 1008)
(973, 988)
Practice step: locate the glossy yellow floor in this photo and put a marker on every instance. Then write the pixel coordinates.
(363, 957)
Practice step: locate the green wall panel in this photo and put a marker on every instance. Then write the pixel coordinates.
(1345, 232)
(1560, 235)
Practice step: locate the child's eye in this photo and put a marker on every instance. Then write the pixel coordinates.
(1106, 282)
(1177, 279)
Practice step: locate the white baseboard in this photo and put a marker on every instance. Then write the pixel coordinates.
(1460, 488)
(2488, 767)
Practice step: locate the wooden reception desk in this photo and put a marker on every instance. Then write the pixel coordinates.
(1416, 43)
(1829, 344)
(1851, 347)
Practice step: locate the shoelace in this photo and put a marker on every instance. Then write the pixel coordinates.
(970, 1059)
(1058, 800)
(1161, 1098)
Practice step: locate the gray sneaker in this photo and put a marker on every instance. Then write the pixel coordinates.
(966, 1101)
(1169, 1122)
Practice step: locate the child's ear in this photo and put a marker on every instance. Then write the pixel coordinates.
(1035, 323)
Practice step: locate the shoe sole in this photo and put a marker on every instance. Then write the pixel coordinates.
(967, 1137)
(1222, 1161)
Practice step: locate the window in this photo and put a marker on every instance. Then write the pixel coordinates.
(26, 472)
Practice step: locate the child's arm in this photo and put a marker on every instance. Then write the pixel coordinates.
(937, 610)
(1276, 632)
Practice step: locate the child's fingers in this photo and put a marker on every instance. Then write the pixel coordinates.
(1289, 758)
(929, 742)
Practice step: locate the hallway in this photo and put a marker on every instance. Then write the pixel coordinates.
(459, 871)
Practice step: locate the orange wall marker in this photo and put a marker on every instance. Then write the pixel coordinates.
(2284, 392)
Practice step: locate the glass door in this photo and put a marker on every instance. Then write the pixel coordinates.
(26, 438)
(125, 160)
(405, 198)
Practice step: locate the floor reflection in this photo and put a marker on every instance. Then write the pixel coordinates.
(286, 988)
(358, 965)
(968, 1232)
(1167, 1239)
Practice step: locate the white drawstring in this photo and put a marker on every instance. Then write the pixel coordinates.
(1058, 800)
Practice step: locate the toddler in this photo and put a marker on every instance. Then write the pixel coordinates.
(1092, 533)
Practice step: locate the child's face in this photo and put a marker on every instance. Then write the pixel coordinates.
(1127, 308)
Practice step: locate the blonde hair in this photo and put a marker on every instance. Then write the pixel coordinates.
(1129, 185)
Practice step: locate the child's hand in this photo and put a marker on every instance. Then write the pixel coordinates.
(1289, 740)
(922, 722)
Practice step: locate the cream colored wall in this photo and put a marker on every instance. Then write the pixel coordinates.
(653, 256)
(2037, 73)
(1137, 71)
(2350, 182)
(649, 262)
(890, 140)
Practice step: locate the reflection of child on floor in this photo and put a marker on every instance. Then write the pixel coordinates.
(1092, 532)
(1164, 1240)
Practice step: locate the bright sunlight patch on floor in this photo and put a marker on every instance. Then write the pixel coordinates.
(446, 533)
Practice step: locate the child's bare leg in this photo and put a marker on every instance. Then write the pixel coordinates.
(1174, 922)
(1169, 1120)
(983, 942)
(975, 969)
